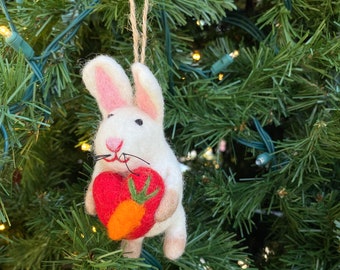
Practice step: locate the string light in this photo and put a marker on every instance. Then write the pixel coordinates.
(234, 54)
(85, 147)
(200, 23)
(196, 56)
(17, 42)
(263, 159)
(282, 193)
(242, 264)
(215, 69)
(5, 32)
(2, 227)
(208, 154)
(223, 63)
(203, 265)
(267, 252)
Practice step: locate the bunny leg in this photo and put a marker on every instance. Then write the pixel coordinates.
(175, 238)
(132, 248)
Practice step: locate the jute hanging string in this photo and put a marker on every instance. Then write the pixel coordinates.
(139, 43)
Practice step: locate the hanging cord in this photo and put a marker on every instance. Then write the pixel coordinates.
(144, 29)
(135, 33)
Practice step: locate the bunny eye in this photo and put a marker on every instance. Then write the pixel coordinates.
(139, 122)
(109, 115)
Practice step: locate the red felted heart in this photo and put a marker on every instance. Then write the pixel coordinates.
(112, 193)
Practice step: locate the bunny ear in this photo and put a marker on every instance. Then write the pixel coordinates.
(108, 83)
(148, 95)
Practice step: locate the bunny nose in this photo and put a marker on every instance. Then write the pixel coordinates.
(114, 144)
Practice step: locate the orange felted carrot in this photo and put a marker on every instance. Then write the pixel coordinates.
(125, 219)
(128, 215)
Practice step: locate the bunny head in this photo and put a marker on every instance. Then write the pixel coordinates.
(131, 131)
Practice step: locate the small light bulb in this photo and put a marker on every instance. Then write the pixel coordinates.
(94, 229)
(234, 54)
(2, 227)
(282, 193)
(85, 147)
(5, 32)
(200, 23)
(220, 76)
(208, 154)
(242, 264)
(196, 55)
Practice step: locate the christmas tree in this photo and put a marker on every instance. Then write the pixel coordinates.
(252, 111)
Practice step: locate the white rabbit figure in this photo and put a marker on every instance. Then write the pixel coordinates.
(131, 134)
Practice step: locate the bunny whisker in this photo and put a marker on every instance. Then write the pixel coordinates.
(126, 154)
(126, 164)
(99, 157)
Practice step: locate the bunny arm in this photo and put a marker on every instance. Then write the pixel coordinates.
(90, 206)
(89, 200)
(167, 206)
(172, 196)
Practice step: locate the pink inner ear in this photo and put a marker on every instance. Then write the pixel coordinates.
(108, 94)
(144, 102)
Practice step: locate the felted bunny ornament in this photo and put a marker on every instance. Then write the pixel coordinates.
(137, 187)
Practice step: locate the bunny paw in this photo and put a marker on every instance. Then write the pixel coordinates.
(167, 206)
(89, 204)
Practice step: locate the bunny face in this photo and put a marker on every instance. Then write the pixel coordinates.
(128, 137)
(131, 132)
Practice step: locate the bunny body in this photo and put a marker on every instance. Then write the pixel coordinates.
(131, 135)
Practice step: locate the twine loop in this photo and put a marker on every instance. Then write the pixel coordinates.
(139, 40)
